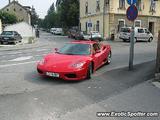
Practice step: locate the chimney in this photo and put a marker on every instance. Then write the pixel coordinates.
(9, 1)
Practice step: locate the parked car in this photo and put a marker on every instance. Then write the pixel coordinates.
(52, 30)
(76, 60)
(80, 35)
(10, 37)
(72, 33)
(140, 34)
(58, 31)
(94, 35)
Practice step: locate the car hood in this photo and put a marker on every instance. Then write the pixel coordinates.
(61, 61)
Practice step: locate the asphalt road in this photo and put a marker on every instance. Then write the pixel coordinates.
(24, 95)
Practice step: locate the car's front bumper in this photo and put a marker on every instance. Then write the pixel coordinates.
(78, 74)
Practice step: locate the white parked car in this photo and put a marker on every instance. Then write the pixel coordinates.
(52, 30)
(58, 31)
(140, 34)
(95, 34)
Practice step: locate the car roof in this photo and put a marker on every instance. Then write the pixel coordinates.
(83, 41)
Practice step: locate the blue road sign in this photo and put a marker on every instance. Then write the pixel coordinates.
(89, 24)
(132, 13)
(131, 2)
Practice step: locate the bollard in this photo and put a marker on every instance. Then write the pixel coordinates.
(157, 75)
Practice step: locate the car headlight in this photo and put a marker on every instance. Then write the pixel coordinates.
(42, 62)
(78, 65)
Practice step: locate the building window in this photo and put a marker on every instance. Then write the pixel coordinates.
(20, 9)
(122, 4)
(107, 2)
(86, 10)
(137, 23)
(97, 26)
(14, 9)
(98, 5)
(153, 6)
(7, 9)
(121, 23)
(139, 4)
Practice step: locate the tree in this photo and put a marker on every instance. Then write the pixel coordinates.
(66, 14)
(69, 12)
(7, 18)
(34, 17)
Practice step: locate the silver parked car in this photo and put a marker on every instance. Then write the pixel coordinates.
(140, 34)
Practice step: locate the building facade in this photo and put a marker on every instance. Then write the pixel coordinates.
(21, 12)
(108, 16)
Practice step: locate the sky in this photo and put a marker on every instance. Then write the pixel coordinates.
(41, 6)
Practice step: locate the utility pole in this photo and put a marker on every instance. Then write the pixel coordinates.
(157, 75)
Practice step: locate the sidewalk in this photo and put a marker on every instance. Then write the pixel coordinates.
(142, 98)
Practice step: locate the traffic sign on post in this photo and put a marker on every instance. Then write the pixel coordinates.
(131, 2)
(132, 13)
(89, 24)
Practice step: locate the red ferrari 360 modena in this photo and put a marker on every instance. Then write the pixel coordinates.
(76, 60)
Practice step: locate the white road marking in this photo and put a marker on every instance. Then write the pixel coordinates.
(10, 65)
(39, 50)
(21, 58)
(37, 55)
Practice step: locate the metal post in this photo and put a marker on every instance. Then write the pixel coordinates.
(157, 74)
(131, 57)
(158, 54)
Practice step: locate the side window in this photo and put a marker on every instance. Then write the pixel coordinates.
(15, 33)
(140, 31)
(147, 31)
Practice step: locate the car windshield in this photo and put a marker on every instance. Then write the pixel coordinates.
(7, 33)
(75, 49)
(125, 29)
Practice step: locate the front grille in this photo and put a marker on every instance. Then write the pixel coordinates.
(71, 75)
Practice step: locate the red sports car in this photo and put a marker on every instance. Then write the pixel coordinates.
(76, 60)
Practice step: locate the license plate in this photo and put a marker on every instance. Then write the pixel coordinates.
(52, 74)
(6, 38)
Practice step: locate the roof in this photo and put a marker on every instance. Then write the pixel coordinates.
(16, 2)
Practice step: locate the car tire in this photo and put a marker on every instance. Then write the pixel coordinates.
(150, 39)
(124, 40)
(89, 71)
(15, 42)
(109, 58)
